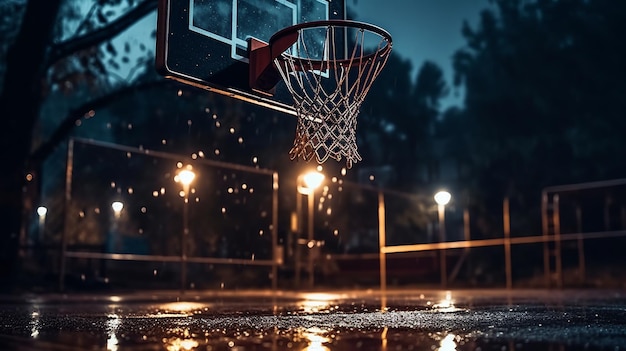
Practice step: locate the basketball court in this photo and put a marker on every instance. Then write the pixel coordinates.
(318, 320)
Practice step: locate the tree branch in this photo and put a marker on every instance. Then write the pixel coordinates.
(76, 114)
(82, 42)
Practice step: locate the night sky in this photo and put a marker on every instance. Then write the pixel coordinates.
(423, 29)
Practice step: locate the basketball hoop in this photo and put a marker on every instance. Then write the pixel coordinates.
(328, 86)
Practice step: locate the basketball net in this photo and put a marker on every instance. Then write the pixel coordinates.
(328, 92)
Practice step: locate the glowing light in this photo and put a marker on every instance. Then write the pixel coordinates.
(309, 182)
(42, 211)
(117, 207)
(186, 176)
(442, 198)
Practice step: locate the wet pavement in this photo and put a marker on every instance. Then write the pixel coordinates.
(442, 320)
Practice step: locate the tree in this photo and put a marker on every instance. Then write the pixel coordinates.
(542, 108)
(28, 63)
(397, 117)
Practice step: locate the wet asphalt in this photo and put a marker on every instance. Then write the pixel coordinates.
(417, 319)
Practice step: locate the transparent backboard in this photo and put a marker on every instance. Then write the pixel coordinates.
(205, 42)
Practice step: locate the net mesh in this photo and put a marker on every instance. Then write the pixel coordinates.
(328, 89)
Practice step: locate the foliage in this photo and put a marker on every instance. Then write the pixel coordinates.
(398, 117)
(544, 82)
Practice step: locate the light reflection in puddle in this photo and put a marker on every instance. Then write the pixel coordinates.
(448, 343)
(446, 304)
(178, 309)
(112, 325)
(35, 324)
(178, 344)
(317, 302)
(316, 338)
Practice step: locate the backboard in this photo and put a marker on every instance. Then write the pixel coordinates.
(205, 42)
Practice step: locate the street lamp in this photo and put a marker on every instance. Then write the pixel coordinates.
(115, 236)
(41, 212)
(306, 185)
(442, 198)
(185, 176)
(117, 207)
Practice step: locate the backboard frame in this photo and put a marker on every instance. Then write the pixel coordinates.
(184, 54)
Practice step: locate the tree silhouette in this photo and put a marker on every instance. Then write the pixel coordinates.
(542, 84)
(30, 62)
(397, 119)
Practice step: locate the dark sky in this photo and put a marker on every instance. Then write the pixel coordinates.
(422, 29)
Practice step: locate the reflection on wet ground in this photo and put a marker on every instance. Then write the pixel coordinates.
(262, 320)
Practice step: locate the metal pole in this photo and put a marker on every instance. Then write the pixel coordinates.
(69, 170)
(275, 231)
(467, 235)
(298, 254)
(311, 204)
(557, 242)
(183, 243)
(545, 226)
(382, 241)
(442, 238)
(581, 244)
(506, 218)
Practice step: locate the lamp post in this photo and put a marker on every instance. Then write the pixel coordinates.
(307, 183)
(41, 212)
(117, 207)
(442, 198)
(185, 176)
(115, 243)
